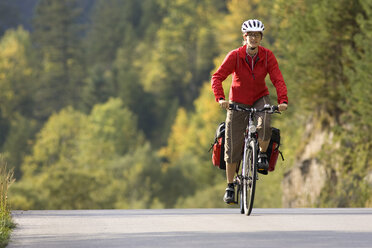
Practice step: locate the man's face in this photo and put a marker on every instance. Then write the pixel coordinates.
(253, 39)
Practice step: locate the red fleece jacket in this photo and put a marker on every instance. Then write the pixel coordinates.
(248, 86)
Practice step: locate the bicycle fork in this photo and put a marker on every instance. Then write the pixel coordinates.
(240, 179)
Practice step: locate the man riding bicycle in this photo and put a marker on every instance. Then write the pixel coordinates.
(249, 65)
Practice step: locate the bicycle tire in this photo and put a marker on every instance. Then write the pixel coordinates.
(249, 177)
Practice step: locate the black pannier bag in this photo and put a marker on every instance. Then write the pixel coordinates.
(218, 147)
(273, 149)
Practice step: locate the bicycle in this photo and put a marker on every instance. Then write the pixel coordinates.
(246, 178)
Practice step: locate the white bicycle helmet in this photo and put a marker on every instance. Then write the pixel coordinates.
(252, 25)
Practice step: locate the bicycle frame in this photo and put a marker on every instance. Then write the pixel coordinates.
(250, 134)
(246, 180)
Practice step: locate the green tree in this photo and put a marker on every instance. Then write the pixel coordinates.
(190, 139)
(173, 72)
(116, 49)
(74, 158)
(323, 29)
(358, 72)
(99, 86)
(17, 74)
(137, 179)
(110, 23)
(17, 78)
(57, 35)
(180, 58)
(325, 44)
(352, 188)
(127, 68)
(114, 25)
(55, 151)
(18, 141)
(111, 132)
(57, 141)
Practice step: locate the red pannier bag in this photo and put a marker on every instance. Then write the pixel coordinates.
(218, 147)
(273, 149)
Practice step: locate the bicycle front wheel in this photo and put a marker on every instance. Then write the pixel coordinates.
(249, 177)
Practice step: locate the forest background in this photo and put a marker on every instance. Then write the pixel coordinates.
(108, 104)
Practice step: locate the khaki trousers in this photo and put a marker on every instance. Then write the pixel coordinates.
(236, 123)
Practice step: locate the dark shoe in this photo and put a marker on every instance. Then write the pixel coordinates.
(263, 164)
(229, 194)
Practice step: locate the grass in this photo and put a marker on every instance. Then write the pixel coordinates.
(6, 223)
(6, 226)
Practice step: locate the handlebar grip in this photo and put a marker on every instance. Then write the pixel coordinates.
(232, 106)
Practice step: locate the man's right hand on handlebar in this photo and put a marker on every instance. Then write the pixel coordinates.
(223, 103)
(282, 107)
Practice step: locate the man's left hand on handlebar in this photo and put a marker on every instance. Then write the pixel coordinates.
(223, 103)
(282, 107)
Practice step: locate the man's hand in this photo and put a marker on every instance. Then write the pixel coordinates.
(223, 104)
(282, 107)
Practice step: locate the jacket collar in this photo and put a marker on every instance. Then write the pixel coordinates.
(242, 52)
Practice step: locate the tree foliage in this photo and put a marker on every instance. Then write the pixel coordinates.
(17, 74)
(17, 89)
(355, 135)
(325, 43)
(57, 35)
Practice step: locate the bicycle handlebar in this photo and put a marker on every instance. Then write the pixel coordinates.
(270, 109)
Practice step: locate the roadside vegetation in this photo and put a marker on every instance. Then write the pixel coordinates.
(6, 224)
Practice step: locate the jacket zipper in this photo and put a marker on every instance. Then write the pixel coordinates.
(255, 62)
(253, 65)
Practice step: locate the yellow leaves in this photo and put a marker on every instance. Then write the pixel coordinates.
(13, 47)
(194, 132)
(15, 70)
(71, 137)
(176, 141)
(58, 139)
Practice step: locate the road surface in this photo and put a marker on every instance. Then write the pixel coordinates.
(193, 228)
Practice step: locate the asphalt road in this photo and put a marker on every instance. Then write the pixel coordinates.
(193, 228)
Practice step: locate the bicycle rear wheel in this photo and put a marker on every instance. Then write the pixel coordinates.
(249, 177)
